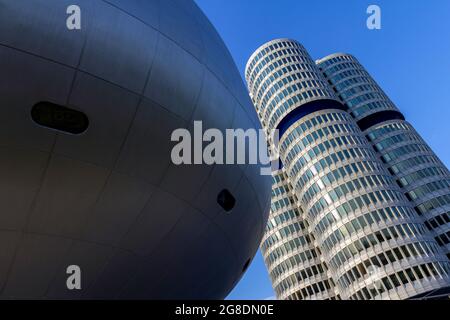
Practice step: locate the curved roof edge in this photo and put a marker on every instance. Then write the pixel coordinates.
(264, 46)
(331, 56)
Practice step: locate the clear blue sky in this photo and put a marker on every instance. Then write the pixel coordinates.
(409, 57)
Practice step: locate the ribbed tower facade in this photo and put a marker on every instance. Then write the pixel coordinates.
(369, 242)
(293, 261)
(419, 172)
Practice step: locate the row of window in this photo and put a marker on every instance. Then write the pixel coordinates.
(282, 203)
(347, 74)
(278, 191)
(402, 137)
(360, 105)
(273, 56)
(280, 78)
(292, 262)
(343, 85)
(358, 75)
(428, 188)
(354, 102)
(361, 183)
(328, 62)
(394, 213)
(403, 150)
(434, 203)
(292, 101)
(291, 46)
(311, 290)
(370, 198)
(278, 177)
(347, 94)
(327, 146)
(277, 56)
(325, 164)
(388, 128)
(443, 239)
(349, 207)
(305, 126)
(374, 105)
(438, 220)
(357, 184)
(288, 62)
(376, 238)
(307, 72)
(339, 67)
(303, 143)
(297, 278)
(286, 88)
(330, 72)
(281, 234)
(299, 142)
(307, 89)
(283, 217)
(336, 175)
(412, 162)
(421, 174)
(286, 248)
(416, 273)
(387, 257)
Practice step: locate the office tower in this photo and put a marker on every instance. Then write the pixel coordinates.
(424, 179)
(369, 236)
(297, 260)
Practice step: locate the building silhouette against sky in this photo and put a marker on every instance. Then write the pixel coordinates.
(360, 204)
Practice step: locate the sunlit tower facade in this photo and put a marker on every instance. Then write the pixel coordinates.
(422, 176)
(293, 261)
(371, 243)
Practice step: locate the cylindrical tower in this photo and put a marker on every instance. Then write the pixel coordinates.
(366, 229)
(424, 179)
(292, 260)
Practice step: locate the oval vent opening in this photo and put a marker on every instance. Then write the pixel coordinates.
(226, 200)
(59, 118)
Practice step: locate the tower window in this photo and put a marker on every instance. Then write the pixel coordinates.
(60, 118)
(226, 200)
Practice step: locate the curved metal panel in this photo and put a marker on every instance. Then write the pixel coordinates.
(110, 199)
